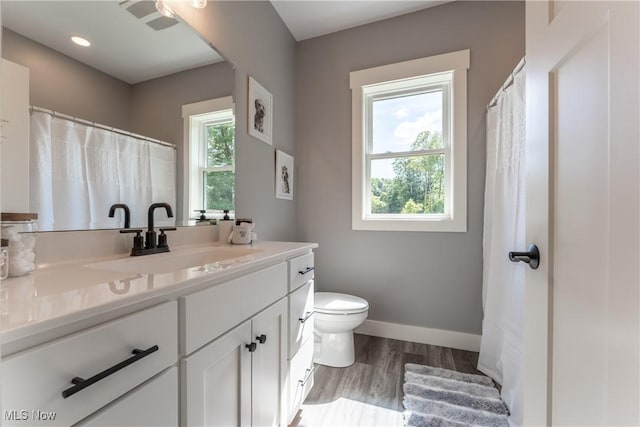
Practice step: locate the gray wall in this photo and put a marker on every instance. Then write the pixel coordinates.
(425, 279)
(63, 84)
(253, 37)
(156, 106)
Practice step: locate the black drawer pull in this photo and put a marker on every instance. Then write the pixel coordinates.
(307, 376)
(81, 384)
(308, 269)
(262, 338)
(306, 317)
(251, 347)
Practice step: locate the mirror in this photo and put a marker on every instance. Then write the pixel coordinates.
(139, 71)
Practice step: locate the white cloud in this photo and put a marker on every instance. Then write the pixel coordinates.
(406, 132)
(402, 113)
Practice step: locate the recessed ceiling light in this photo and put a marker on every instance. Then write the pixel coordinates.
(80, 41)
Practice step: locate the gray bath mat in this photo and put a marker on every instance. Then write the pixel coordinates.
(443, 398)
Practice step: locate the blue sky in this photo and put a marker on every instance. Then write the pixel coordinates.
(398, 121)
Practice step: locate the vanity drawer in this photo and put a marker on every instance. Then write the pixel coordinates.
(154, 404)
(34, 380)
(210, 313)
(301, 377)
(300, 271)
(300, 317)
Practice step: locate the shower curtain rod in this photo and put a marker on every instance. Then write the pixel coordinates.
(55, 114)
(507, 83)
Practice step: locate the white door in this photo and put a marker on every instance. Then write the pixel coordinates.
(582, 304)
(269, 366)
(216, 382)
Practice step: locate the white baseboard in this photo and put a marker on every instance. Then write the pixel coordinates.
(440, 337)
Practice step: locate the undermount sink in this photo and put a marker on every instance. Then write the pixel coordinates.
(183, 259)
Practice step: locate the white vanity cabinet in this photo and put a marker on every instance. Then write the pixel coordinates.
(42, 385)
(301, 319)
(229, 352)
(239, 377)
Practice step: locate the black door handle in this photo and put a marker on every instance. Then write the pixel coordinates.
(251, 347)
(262, 338)
(531, 257)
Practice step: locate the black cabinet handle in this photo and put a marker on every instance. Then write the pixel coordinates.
(262, 339)
(531, 257)
(252, 347)
(305, 271)
(306, 317)
(81, 384)
(307, 376)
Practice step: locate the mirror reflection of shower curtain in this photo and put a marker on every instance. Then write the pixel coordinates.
(77, 172)
(501, 350)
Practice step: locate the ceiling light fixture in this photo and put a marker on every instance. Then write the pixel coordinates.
(164, 9)
(199, 4)
(80, 41)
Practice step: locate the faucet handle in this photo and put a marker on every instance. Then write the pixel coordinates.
(162, 238)
(131, 230)
(138, 240)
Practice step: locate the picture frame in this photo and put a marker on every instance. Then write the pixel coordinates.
(260, 115)
(284, 175)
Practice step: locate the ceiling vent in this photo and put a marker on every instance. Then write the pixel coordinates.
(161, 23)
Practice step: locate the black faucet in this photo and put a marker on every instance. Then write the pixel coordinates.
(150, 241)
(151, 245)
(127, 213)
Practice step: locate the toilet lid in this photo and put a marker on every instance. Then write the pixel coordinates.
(334, 303)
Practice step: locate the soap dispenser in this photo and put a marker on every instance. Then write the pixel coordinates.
(203, 219)
(225, 227)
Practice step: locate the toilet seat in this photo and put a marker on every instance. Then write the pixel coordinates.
(336, 303)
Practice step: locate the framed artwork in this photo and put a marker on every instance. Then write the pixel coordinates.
(284, 175)
(260, 117)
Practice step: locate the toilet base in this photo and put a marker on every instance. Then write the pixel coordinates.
(335, 350)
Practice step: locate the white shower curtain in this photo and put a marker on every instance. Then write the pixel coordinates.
(501, 350)
(77, 172)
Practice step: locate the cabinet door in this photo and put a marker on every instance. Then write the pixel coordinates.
(14, 162)
(154, 404)
(216, 382)
(269, 366)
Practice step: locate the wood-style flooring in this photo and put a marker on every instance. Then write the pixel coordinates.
(369, 392)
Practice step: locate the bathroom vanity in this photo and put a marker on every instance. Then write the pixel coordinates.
(205, 335)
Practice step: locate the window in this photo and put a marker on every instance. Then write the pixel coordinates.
(409, 145)
(209, 158)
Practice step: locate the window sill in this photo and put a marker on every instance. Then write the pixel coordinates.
(442, 224)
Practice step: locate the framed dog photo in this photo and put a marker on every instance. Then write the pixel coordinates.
(284, 176)
(260, 118)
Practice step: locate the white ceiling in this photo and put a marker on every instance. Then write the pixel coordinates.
(122, 45)
(126, 48)
(311, 18)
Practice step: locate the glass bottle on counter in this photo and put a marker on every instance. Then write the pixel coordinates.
(20, 231)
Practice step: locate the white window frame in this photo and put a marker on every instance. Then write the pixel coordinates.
(449, 70)
(196, 117)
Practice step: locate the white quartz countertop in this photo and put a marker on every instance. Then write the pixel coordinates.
(60, 294)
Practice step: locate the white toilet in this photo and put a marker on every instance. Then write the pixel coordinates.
(336, 316)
